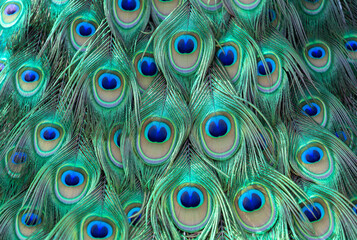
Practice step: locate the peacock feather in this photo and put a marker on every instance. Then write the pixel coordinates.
(178, 119)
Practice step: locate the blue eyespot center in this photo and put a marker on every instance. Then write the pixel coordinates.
(314, 212)
(272, 15)
(317, 52)
(190, 197)
(251, 200)
(351, 45)
(185, 44)
(133, 211)
(227, 55)
(109, 81)
(11, 9)
(117, 136)
(49, 133)
(311, 110)
(99, 229)
(218, 126)
(30, 219)
(312, 155)
(355, 208)
(147, 66)
(158, 132)
(30, 76)
(72, 178)
(129, 5)
(341, 135)
(85, 29)
(18, 157)
(262, 71)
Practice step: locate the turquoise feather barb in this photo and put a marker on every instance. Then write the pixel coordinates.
(178, 119)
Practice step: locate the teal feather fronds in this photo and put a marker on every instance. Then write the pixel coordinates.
(179, 119)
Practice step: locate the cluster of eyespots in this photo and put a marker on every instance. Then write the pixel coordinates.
(147, 66)
(133, 216)
(158, 132)
(129, 5)
(190, 197)
(99, 229)
(218, 126)
(251, 200)
(270, 64)
(31, 219)
(10, 13)
(185, 44)
(227, 55)
(314, 212)
(312, 155)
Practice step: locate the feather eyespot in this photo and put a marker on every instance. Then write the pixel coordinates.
(155, 140)
(314, 160)
(162, 8)
(314, 109)
(15, 162)
(351, 47)
(229, 56)
(247, 4)
(219, 135)
(185, 52)
(96, 227)
(314, 212)
(114, 146)
(318, 57)
(146, 69)
(10, 13)
(48, 138)
(318, 213)
(82, 29)
(71, 184)
(255, 208)
(211, 5)
(269, 75)
(274, 18)
(29, 80)
(190, 206)
(128, 13)
(346, 136)
(27, 223)
(109, 87)
(312, 7)
(132, 212)
(99, 229)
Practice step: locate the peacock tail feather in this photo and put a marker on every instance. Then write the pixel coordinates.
(178, 119)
